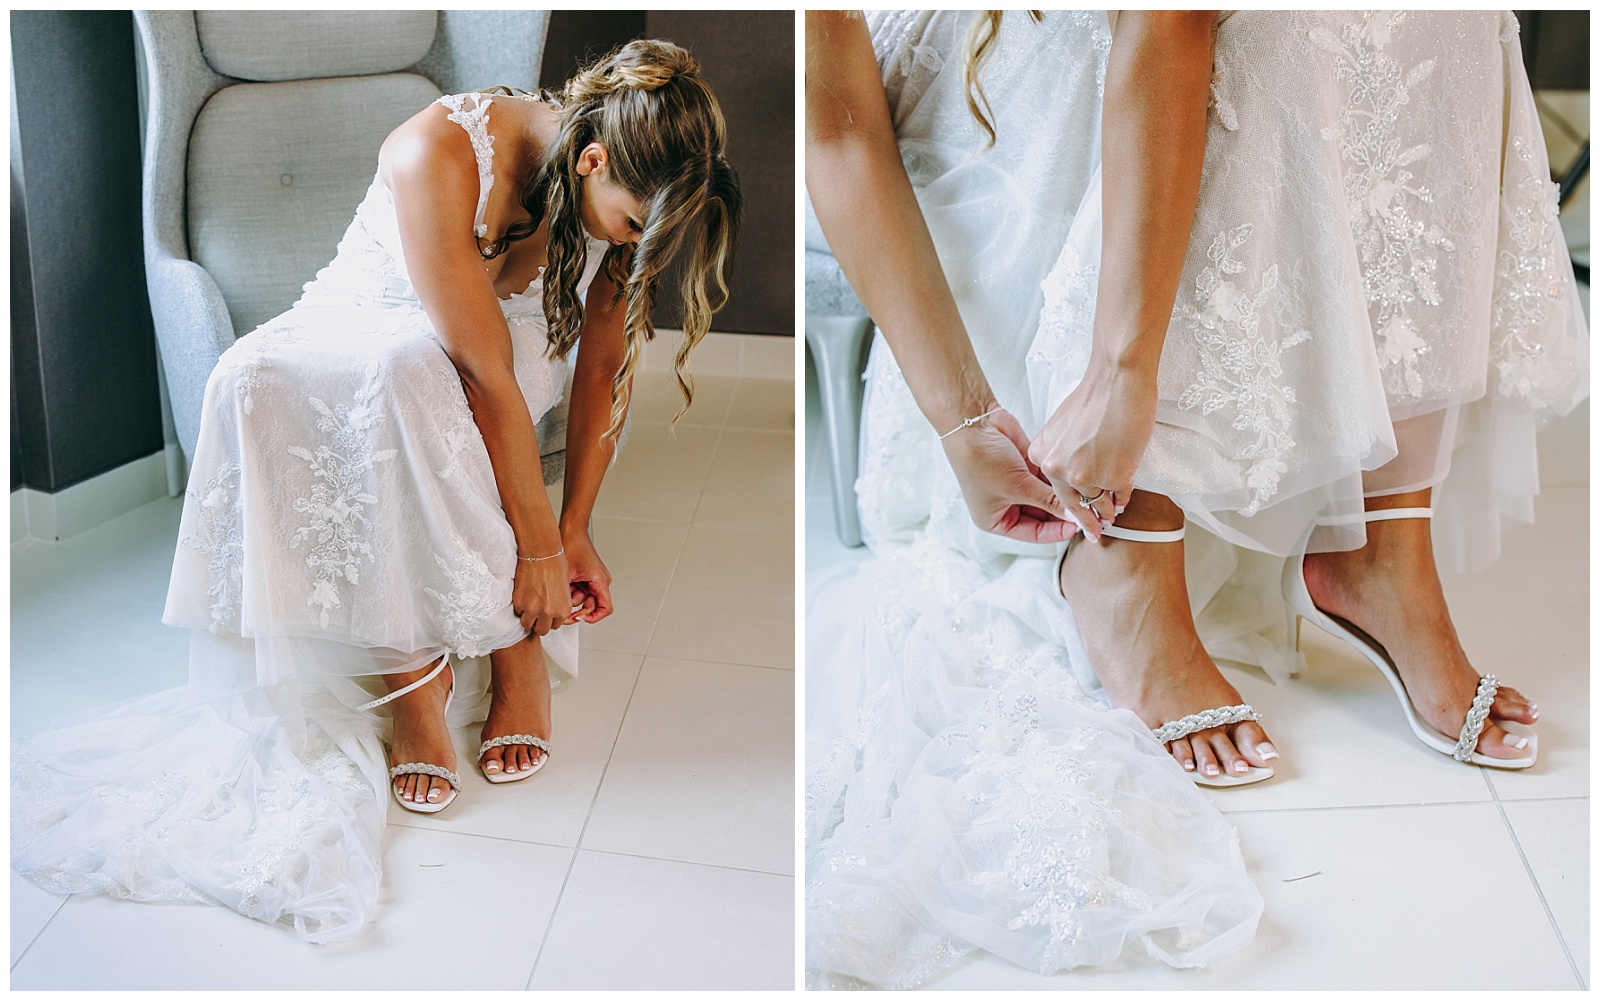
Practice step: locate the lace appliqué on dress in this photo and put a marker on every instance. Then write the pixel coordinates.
(1397, 249)
(475, 120)
(474, 596)
(220, 540)
(1240, 365)
(1528, 282)
(337, 503)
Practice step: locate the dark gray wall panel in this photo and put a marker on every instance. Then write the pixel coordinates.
(92, 341)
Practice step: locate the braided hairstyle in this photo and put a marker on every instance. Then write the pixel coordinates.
(665, 137)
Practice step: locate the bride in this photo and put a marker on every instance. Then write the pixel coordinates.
(366, 526)
(947, 803)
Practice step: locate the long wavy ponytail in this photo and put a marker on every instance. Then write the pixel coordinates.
(665, 139)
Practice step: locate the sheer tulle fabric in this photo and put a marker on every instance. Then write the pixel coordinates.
(962, 791)
(341, 523)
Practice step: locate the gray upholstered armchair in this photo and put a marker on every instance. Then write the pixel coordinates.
(262, 135)
(837, 328)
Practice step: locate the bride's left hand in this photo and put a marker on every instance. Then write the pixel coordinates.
(591, 581)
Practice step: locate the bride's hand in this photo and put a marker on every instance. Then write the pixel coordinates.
(1092, 445)
(588, 577)
(540, 596)
(1004, 491)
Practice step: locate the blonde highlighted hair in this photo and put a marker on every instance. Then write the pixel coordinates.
(665, 138)
(984, 30)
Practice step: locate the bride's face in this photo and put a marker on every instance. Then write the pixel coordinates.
(608, 211)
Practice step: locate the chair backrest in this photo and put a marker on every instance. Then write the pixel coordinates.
(289, 109)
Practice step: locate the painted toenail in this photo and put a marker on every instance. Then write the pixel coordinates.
(1212, 770)
(1241, 766)
(1517, 744)
(1188, 766)
(1266, 751)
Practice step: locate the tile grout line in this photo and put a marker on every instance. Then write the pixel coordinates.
(42, 929)
(1393, 806)
(578, 845)
(1533, 878)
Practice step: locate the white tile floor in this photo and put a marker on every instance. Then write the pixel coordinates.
(1385, 864)
(655, 850)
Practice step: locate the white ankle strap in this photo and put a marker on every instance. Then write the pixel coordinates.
(1134, 535)
(1394, 513)
(375, 703)
(1380, 514)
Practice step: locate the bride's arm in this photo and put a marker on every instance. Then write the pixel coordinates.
(600, 355)
(1153, 137)
(434, 181)
(866, 206)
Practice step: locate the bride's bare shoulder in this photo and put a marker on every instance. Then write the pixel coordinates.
(429, 148)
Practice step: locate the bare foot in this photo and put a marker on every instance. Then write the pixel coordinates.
(420, 734)
(1390, 589)
(520, 704)
(1132, 608)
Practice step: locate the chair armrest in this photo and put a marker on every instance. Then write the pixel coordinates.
(192, 330)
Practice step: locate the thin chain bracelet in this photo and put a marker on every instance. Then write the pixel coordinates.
(540, 559)
(969, 422)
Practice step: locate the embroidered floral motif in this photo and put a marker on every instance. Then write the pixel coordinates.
(1529, 280)
(337, 502)
(219, 538)
(1067, 316)
(1397, 249)
(1240, 365)
(474, 597)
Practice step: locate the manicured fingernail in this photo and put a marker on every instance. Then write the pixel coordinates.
(1188, 766)
(1266, 751)
(1121, 508)
(1241, 766)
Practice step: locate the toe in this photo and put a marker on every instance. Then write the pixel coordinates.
(1510, 704)
(1183, 754)
(1228, 756)
(1204, 757)
(1498, 743)
(492, 765)
(522, 758)
(1252, 742)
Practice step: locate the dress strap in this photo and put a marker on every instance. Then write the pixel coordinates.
(475, 119)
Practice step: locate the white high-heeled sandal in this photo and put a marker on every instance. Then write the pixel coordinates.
(1463, 748)
(1184, 726)
(421, 767)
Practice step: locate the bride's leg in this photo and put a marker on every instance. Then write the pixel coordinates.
(1391, 589)
(420, 733)
(520, 684)
(1132, 608)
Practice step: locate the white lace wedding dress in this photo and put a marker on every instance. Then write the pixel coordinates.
(341, 522)
(1376, 294)
(962, 791)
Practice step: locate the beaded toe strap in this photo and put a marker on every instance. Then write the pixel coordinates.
(419, 768)
(1204, 720)
(515, 738)
(1488, 685)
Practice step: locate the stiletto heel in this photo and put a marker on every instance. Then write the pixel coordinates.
(1463, 748)
(421, 767)
(1178, 728)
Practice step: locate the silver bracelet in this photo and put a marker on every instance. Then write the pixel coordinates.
(969, 422)
(540, 559)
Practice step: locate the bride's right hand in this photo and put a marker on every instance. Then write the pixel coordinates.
(541, 595)
(1005, 493)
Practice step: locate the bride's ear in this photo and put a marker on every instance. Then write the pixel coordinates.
(591, 159)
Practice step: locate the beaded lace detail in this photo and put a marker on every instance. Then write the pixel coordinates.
(1488, 685)
(475, 119)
